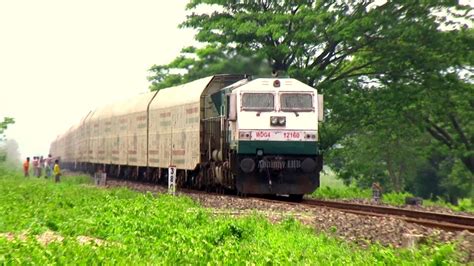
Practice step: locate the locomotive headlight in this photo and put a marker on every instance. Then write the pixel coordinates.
(282, 121)
(274, 120)
(277, 120)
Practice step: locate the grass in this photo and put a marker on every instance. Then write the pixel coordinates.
(329, 179)
(143, 229)
(333, 188)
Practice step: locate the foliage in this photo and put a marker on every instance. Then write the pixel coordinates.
(391, 198)
(5, 123)
(11, 153)
(352, 192)
(3, 126)
(145, 229)
(464, 205)
(319, 41)
(195, 63)
(396, 199)
(397, 79)
(329, 178)
(387, 156)
(459, 181)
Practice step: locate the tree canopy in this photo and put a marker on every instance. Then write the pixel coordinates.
(194, 63)
(4, 125)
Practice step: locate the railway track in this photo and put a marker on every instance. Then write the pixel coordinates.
(449, 222)
(444, 221)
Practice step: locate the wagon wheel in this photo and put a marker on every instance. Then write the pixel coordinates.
(241, 195)
(197, 181)
(209, 179)
(296, 197)
(179, 179)
(155, 176)
(220, 186)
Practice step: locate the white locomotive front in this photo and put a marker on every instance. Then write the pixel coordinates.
(273, 136)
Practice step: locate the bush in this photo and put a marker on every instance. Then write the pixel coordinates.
(342, 193)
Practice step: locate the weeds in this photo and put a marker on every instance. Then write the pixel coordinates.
(135, 228)
(392, 198)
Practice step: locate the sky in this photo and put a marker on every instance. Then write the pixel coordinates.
(59, 59)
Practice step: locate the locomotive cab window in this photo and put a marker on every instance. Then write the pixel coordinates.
(296, 102)
(258, 102)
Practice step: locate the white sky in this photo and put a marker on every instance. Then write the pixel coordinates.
(61, 58)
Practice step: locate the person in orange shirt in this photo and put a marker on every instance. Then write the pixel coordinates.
(26, 167)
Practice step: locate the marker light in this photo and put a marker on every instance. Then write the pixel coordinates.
(274, 120)
(245, 134)
(282, 121)
(277, 120)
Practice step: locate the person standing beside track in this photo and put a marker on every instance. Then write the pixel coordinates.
(40, 166)
(48, 166)
(35, 166)
(57, 171)
(26, 167)
(376, 192)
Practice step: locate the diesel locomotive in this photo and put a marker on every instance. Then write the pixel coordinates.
(253, 136)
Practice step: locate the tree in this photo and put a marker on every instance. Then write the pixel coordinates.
(11, 153)
(377, 143)
(195, 63)
(398, 43)
(426, 87)
(393, 76)
(312, 40)
(3, 127)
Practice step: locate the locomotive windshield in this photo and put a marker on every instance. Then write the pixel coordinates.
(296, 101)
(258, 101)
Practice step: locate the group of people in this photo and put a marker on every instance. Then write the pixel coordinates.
(39, 163)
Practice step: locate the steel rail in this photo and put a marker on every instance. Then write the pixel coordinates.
(449, 222)
(431, 219)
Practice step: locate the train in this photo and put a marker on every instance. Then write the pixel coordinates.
(222, 132)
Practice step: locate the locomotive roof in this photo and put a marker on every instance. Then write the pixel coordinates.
(285, 84)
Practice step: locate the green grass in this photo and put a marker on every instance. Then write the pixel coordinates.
(329, 178)
(143, 229)
(465, 205)
(333, 188)
(326, 192)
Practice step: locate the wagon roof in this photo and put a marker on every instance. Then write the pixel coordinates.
(174, 96)
(180, 95)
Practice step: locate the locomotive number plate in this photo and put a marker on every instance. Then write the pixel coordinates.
(277, 135)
